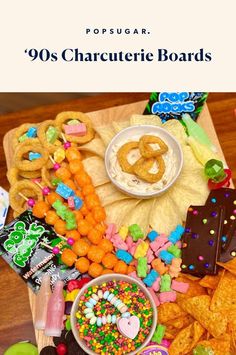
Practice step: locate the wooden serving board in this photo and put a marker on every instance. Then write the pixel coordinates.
(103, 118)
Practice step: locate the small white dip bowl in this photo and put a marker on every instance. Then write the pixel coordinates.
(99, 281)
(124, 136)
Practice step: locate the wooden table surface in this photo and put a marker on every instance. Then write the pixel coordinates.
(15, 316)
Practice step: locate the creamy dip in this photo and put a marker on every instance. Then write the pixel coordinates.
(134, 183)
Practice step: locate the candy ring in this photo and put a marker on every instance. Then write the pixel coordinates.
(141, 169)
(122, 156)
(110, 297)
(43, 138)
(24, 164)
(225, 183)
(63, 117)
(147, 151)
(18, 132)
(27, 188)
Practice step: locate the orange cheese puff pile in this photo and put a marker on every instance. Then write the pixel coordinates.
(90, 251)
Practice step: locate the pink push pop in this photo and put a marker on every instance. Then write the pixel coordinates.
(55, 311)
(42, 299)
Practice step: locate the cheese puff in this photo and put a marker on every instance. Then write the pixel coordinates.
(99, 213)
(107, 271)
(40, 209)
(52, 197)
(82, 179)
(63, 173)
(60, 227)
(106, 245)
(70, 183)
(84, 227)
(95, 270)
(74, 234)
(92, 201)
(72, 153)
(89, 218)
(109, 260)
(51, 217)
(130, 269)
(76, 166)
(82, 264)
(81, 247)
(94, 236)
(121, 267)
(95, 254)
(68, 257)
(88, 189)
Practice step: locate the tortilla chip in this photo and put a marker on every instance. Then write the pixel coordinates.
(220, 346)
(137, 120)
(194, 289)
(231, 315)
(199, 308)
(229, 265)
(108, 194)
(118, 126)
(117, 211)
(106, 133)
(224, 298)
(191, 277)
(181, 322)
(186, 339)
(210, 281)
(163, 217)
(95, 167)
(95, 146)
(169, 311)
(140, 214)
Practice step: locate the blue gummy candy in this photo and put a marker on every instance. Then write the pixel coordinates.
(166, 256)
(152, 235)
(124, 255)
(78, 202)
(33, 156)
(64, 190)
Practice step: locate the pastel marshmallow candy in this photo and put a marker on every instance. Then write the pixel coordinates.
(167, 297)
(178, 286)
(158, 243)
(76, 129)
(156, 285)
(164, 247)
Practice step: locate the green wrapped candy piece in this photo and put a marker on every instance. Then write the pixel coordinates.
(60, 209)
(165, 283)
(73, 122)
(135, 232)
(22, 349)
(23, 138)
(214, 169)
(159, 333)
(51, 134)
(201, 350)
(68, 324)
(56, 181)
(174, 250)
(142, 267)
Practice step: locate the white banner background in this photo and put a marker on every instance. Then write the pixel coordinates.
(179, 26)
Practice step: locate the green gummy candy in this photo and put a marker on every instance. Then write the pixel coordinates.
(165, 283)
(51, 134)
(174, 250)
(159, 334)
(135, 232)
(57, 204)
(68, 324)
(142, 267)
(23, 138)
(201, 350)
(22, 349)
(56, 181)
(73, 122)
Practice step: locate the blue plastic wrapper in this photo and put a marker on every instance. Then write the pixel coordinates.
(172, 105)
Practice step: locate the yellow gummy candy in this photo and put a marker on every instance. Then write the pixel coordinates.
(74, 293)
(59, 155)
(123, 232)
(141, 250)
(69, 297)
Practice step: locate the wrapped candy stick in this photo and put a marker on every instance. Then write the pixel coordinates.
(55, 311)
(42, 299)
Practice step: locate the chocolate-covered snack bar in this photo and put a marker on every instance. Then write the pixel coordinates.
(225, 197)
(202, 240)
(230, 252)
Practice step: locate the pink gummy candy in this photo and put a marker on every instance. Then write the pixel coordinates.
(76, 129)
(158, 242)
(111, 230)
(154, 296)
(129, 242)
(167, 296)
(150, 256)
(118, 242)
(156, 284)
(179, 286)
